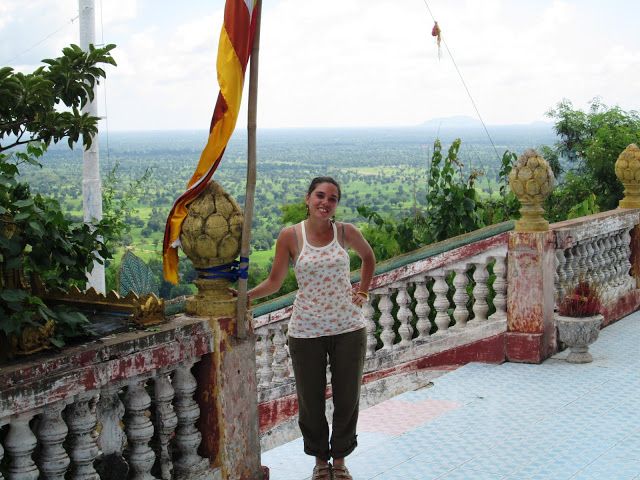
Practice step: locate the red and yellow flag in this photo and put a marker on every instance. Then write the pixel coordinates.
(234, 49)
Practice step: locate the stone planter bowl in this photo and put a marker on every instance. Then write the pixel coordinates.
(578, 333)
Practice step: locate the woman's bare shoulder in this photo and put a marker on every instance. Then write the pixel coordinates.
(349, 229)
(288, 236)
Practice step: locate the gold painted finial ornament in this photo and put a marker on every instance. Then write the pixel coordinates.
(531, 180)
(628, 172)
(210, 237)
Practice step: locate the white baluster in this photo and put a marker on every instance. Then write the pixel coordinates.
(369, 312)
(289, 359)
(266, 374)
(1, 450)
(598, 264)
(604, 268)
(576, 264)
(460, 297)
(386, 319)
(628, 281)
(110, 412)
(609, 268)
(189, 464)
(620, 265)
(441, 303)
(405, 330)
(52, 432)
(20, 444)
(480, 292)
(81, 420)
(139, 431)
(582, 262)
(422, 308)
(500, 287)
(569, 269)
(616, 267)
(279, 365)
(285, 326)
(558, 276)
(166, 422)
(588, 261)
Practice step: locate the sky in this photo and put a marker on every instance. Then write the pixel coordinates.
(347, 63)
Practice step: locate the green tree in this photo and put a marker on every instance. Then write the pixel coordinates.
(29, 103)
(452, 199)
(453, 207)
(293, 213)
(592, 142)
(37, 241)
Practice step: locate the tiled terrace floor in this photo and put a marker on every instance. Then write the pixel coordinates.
(510, 421)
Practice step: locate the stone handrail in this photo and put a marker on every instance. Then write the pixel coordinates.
(596, 249)
(80, 408)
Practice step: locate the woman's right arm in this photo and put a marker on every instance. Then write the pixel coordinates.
(279, 268)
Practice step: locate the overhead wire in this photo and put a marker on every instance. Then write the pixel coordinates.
(44, 39)
(464, 84)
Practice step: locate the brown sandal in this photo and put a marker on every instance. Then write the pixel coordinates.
(321, 472)
(340, 472)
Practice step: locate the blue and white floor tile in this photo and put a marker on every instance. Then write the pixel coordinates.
(504, 422)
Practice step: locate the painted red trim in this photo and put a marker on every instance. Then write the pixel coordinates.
(524, 347)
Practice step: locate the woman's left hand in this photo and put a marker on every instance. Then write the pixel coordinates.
(358, 299)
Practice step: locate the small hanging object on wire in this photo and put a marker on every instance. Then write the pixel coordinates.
(435, 32)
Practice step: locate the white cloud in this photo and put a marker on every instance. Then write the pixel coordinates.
(356, 62)
(109, 12)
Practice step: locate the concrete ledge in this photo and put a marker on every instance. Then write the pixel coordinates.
(44, 379)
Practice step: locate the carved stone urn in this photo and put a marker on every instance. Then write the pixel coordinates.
(578, 333)
(531, 180)
(210, 237)
(628, 172)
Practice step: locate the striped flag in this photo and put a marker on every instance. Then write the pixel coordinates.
(234, 49)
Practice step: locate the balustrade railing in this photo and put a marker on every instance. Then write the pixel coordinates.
(595, 249)
(107, 410)
(438, 297)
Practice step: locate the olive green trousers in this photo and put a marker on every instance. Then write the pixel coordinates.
(345, 354)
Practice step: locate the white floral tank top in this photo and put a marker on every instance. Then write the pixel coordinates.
(323, 303)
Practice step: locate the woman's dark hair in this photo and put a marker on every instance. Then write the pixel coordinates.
(318, 180)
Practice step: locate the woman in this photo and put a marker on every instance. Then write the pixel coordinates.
(326, 321)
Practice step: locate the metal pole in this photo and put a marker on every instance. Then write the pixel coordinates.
(251, 173)
(91, 185)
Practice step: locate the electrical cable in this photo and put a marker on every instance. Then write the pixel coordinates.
(464, 84)
(41, 41)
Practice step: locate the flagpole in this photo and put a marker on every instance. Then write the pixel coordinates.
(251, 174)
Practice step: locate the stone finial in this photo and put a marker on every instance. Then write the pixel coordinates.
(628, 172)
(531, 180)
(210, 237)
